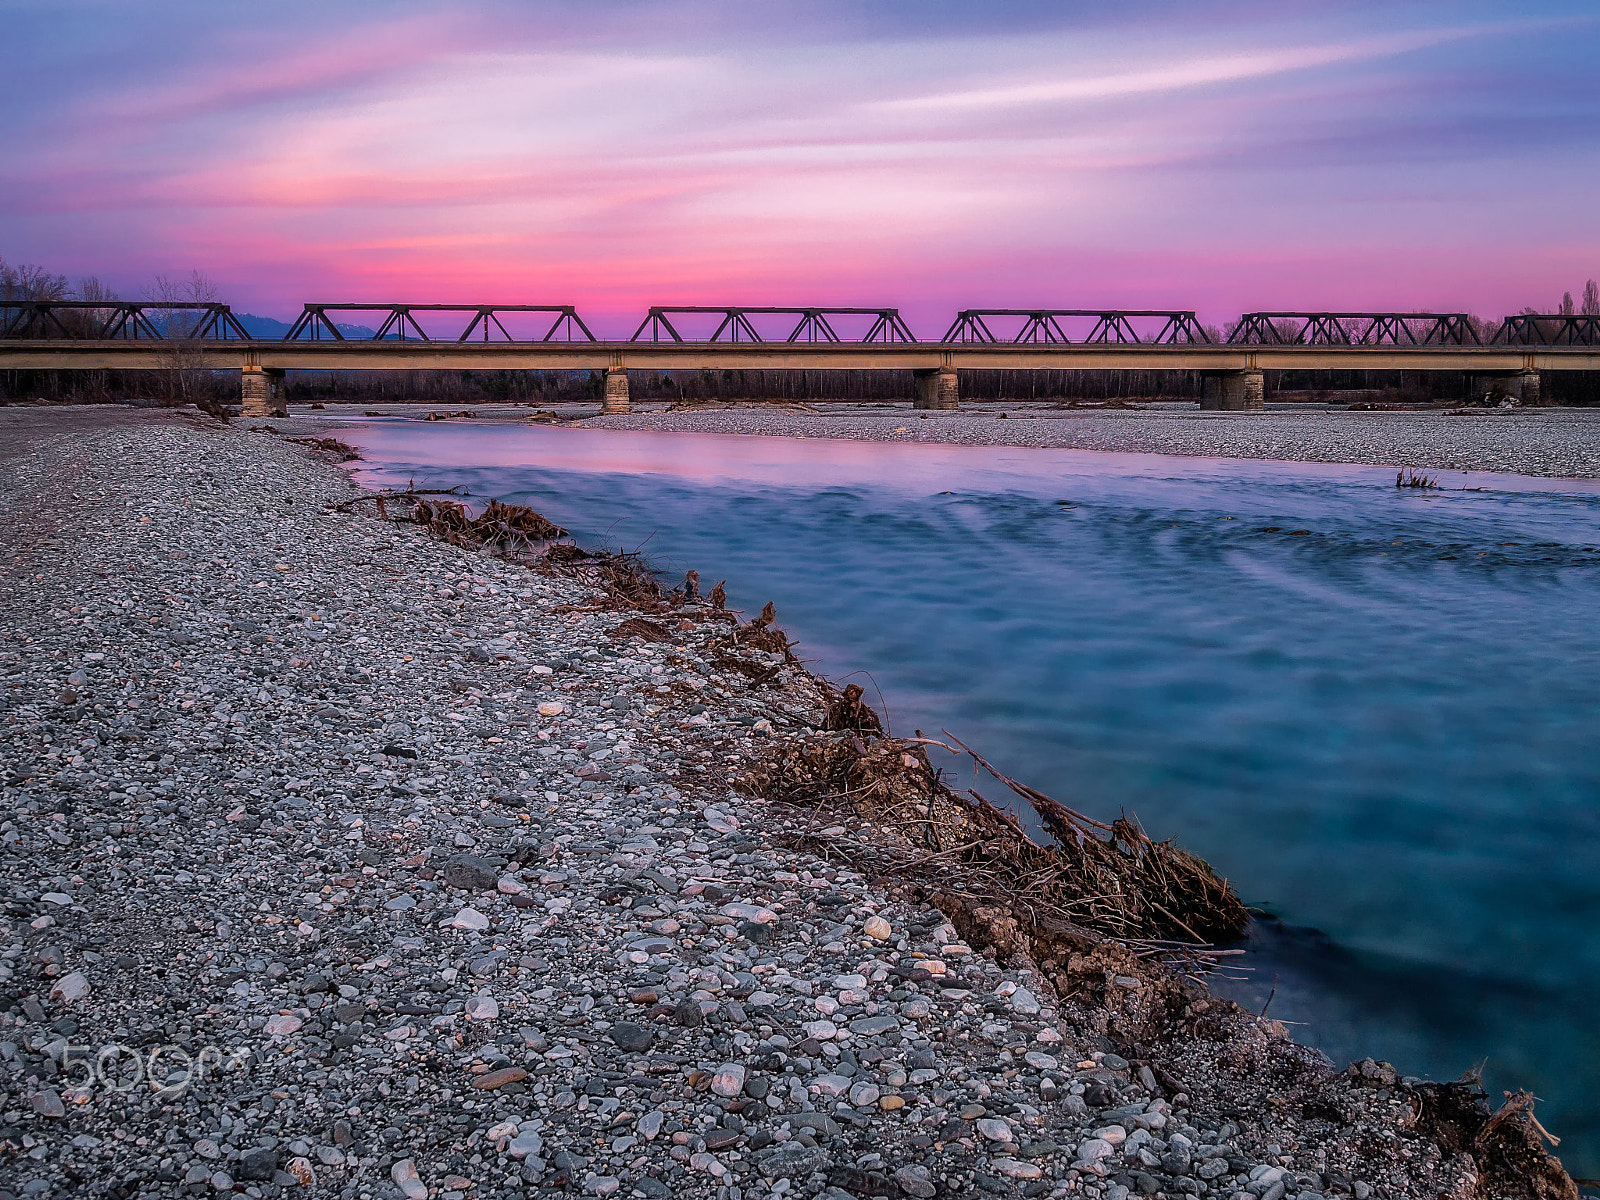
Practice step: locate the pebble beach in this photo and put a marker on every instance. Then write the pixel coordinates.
(342, 861)
(1540, 442)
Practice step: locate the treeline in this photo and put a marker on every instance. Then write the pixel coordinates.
(183, 379)
(553, 387)
(698, 386)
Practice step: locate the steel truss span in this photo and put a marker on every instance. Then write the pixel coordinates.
(59, 334)
(1354, 329)
(1559, 329)
(740, 325)
(399, 323)
(1052, 326)
(116, 320)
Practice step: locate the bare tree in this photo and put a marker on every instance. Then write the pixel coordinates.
(1567, 308)
(197, 290)
(185, 378)
(29, 282)
(1591, 299)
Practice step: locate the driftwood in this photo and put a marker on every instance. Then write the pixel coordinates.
(343, 451)
(1110, 879)
(508, 530)
(1507, 1144)
(1408, 478)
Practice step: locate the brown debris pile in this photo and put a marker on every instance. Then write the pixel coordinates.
(1408, 478)
(342, 451)
(625, 580)
(503, 529)
(848, 711)
(1092, 878)
(508, 530)
(1507, 1144)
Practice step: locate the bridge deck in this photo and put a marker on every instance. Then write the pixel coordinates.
(62, 354)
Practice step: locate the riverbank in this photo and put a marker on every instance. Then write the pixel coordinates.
(450, 870)
(1549, 442)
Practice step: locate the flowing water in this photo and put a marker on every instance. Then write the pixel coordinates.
(1373, 709)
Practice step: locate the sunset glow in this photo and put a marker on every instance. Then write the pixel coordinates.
(1218, 156)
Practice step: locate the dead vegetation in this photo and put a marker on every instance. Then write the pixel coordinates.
(502, 529)
(1506, 1143)
(1407, 478)
(341, 451)
(507, 530)
(1107, 879)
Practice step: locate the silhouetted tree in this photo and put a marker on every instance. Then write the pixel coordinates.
(30, 282)
(1591, 299)
(186, 379)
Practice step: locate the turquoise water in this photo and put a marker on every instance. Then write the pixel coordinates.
(1372, 709)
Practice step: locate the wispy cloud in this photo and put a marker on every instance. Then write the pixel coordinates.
(1186, 74)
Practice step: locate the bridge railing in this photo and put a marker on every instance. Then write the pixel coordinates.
(836, 325)
(1056, 326)
(418, 323)
(114, 320)
(1549, 329)
(1354, 329)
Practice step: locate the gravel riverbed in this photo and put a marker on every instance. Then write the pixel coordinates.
(1548, 442)
(338, 861)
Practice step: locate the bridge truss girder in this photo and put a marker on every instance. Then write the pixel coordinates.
(399, 323)
(1111, 326)
(812, 325)
(1550, 329)
(1354, 329)
(116, 320)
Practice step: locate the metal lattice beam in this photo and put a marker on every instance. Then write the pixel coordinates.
(113, 320)
(1045, 326)
(811, 325)
(1354, 329)
(1550, 329)
(399, 323)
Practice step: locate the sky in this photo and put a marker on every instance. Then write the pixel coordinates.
(1216, 155)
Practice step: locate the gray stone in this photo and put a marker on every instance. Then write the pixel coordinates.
(820, 1124)
(872, 1026)
(635, 1039)
(791, 1160)
(470, 872)
(915, 1181)
(687, 1013)
(525, 1145)
(48, 1103)
(258, 1164)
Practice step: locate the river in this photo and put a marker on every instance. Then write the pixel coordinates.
(1373, 709)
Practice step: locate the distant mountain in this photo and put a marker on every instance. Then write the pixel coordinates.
(270, 329)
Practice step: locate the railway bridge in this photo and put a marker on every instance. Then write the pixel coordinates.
(131, 335)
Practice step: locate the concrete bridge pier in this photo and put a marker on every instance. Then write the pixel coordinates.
(617, 400)
(1521, 386)
(937, 387)
(261, 392)
(1232, 391)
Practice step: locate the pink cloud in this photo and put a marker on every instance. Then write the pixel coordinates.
(439, 156)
